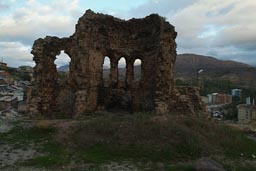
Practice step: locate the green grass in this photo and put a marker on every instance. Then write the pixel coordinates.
(39, 138)
(22, 135)
(105, 153)
(180, 167)
(239, 167)
(236, 143)
(136, 138)
(56, 155)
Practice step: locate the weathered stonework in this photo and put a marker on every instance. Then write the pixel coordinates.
(152, 40)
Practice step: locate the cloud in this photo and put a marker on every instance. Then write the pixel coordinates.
(222, 27)
(35, 20)
(15, 53)
(62, 59)
(32, 20)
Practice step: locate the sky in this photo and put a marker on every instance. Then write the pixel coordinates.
(225, 29)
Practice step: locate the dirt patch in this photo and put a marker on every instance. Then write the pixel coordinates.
(9, 155)
(5, 127)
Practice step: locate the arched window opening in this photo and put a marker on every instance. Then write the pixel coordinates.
(121, 69)
(137, 69)
(62, 62)
(106, 68)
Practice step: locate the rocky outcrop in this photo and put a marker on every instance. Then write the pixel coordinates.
(151, 39)
(188, 100)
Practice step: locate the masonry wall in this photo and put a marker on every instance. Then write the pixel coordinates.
(152, 40)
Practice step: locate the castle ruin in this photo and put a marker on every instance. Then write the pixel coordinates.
(151, 39)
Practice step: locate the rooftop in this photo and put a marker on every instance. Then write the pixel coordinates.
(7, 98)
(247, 106)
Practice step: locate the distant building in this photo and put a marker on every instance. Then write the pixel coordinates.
(3, 82)
(4, 74)
(12, 90)
(250, 101)
(246, 113)
(223, 99)
(7, 102)
(218, 98)
(2, 64)
(212, 98)
(23, 84)
(236, 93)
(17, 92)
(26, 69)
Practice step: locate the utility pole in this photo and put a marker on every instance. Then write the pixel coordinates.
(199, 71)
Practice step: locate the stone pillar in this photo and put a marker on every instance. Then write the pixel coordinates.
(95, 80)
(113, 72)
(129, 73)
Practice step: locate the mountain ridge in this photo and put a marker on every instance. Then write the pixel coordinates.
(187, 65)
(195, 59)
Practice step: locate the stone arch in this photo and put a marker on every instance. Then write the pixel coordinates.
(62, 59)
(137, 69)
(62, 63)
(122, 64)
(64, 97)
(106, 68)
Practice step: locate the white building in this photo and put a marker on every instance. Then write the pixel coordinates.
(236, 92)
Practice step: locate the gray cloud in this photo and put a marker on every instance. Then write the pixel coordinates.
(224, 29)
(30, 22)
(36, 20)
(16, 53)
(33, 27)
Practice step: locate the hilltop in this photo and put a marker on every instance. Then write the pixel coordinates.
(187, 65)
(119, 141)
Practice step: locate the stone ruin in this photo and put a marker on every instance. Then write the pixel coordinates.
(151, 39)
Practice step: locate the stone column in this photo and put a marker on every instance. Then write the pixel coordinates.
(113, 72)
(129, 73)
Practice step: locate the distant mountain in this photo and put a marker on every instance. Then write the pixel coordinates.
(187, 65)
(63, 68)
(200, 61)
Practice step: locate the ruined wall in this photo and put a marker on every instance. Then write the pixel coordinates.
(188, 100)
(152, 40)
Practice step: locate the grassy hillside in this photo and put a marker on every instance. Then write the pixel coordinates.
(187, 65)
(138, 141)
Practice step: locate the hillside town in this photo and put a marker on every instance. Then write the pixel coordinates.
(217, 103)
(14, 83)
